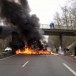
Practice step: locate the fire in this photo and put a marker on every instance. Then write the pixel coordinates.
(30, 51)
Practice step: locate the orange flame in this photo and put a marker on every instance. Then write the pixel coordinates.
(28, 50)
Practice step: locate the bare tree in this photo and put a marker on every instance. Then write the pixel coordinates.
(70, 18)
(73, 10)
(57, 20)
(72, 13)
(65, 16)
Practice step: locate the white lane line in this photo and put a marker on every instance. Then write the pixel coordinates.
(71, 70)
(25, 64)
(7, 57)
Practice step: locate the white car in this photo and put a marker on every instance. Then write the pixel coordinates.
(7, 50)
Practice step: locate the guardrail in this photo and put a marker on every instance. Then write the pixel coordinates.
(47, 26)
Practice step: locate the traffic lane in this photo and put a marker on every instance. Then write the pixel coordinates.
(39, 65)
(14, 59)
(10, 66)
(70, 61)
(36, 67)
(58, 67)
(13, 65)
(45, 66)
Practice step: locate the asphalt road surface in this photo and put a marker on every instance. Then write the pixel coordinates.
(38, 65)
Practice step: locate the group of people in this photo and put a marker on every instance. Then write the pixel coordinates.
(52, 25)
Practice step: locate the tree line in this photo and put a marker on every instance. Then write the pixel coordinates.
(68, 16)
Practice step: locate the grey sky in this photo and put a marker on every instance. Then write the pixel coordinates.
(45, 9)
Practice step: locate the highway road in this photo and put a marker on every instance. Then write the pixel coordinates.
(38, 65)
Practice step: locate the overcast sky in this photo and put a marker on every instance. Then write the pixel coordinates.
(45, 9)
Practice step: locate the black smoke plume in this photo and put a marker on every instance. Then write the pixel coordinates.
(18, 15)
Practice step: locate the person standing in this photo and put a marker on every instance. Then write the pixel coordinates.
(52, 25)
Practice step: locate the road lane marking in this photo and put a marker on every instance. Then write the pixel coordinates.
(25, 64)
(7, 57)
(70, 69)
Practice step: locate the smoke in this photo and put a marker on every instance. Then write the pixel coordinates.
(17, 14)
(6, 31)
